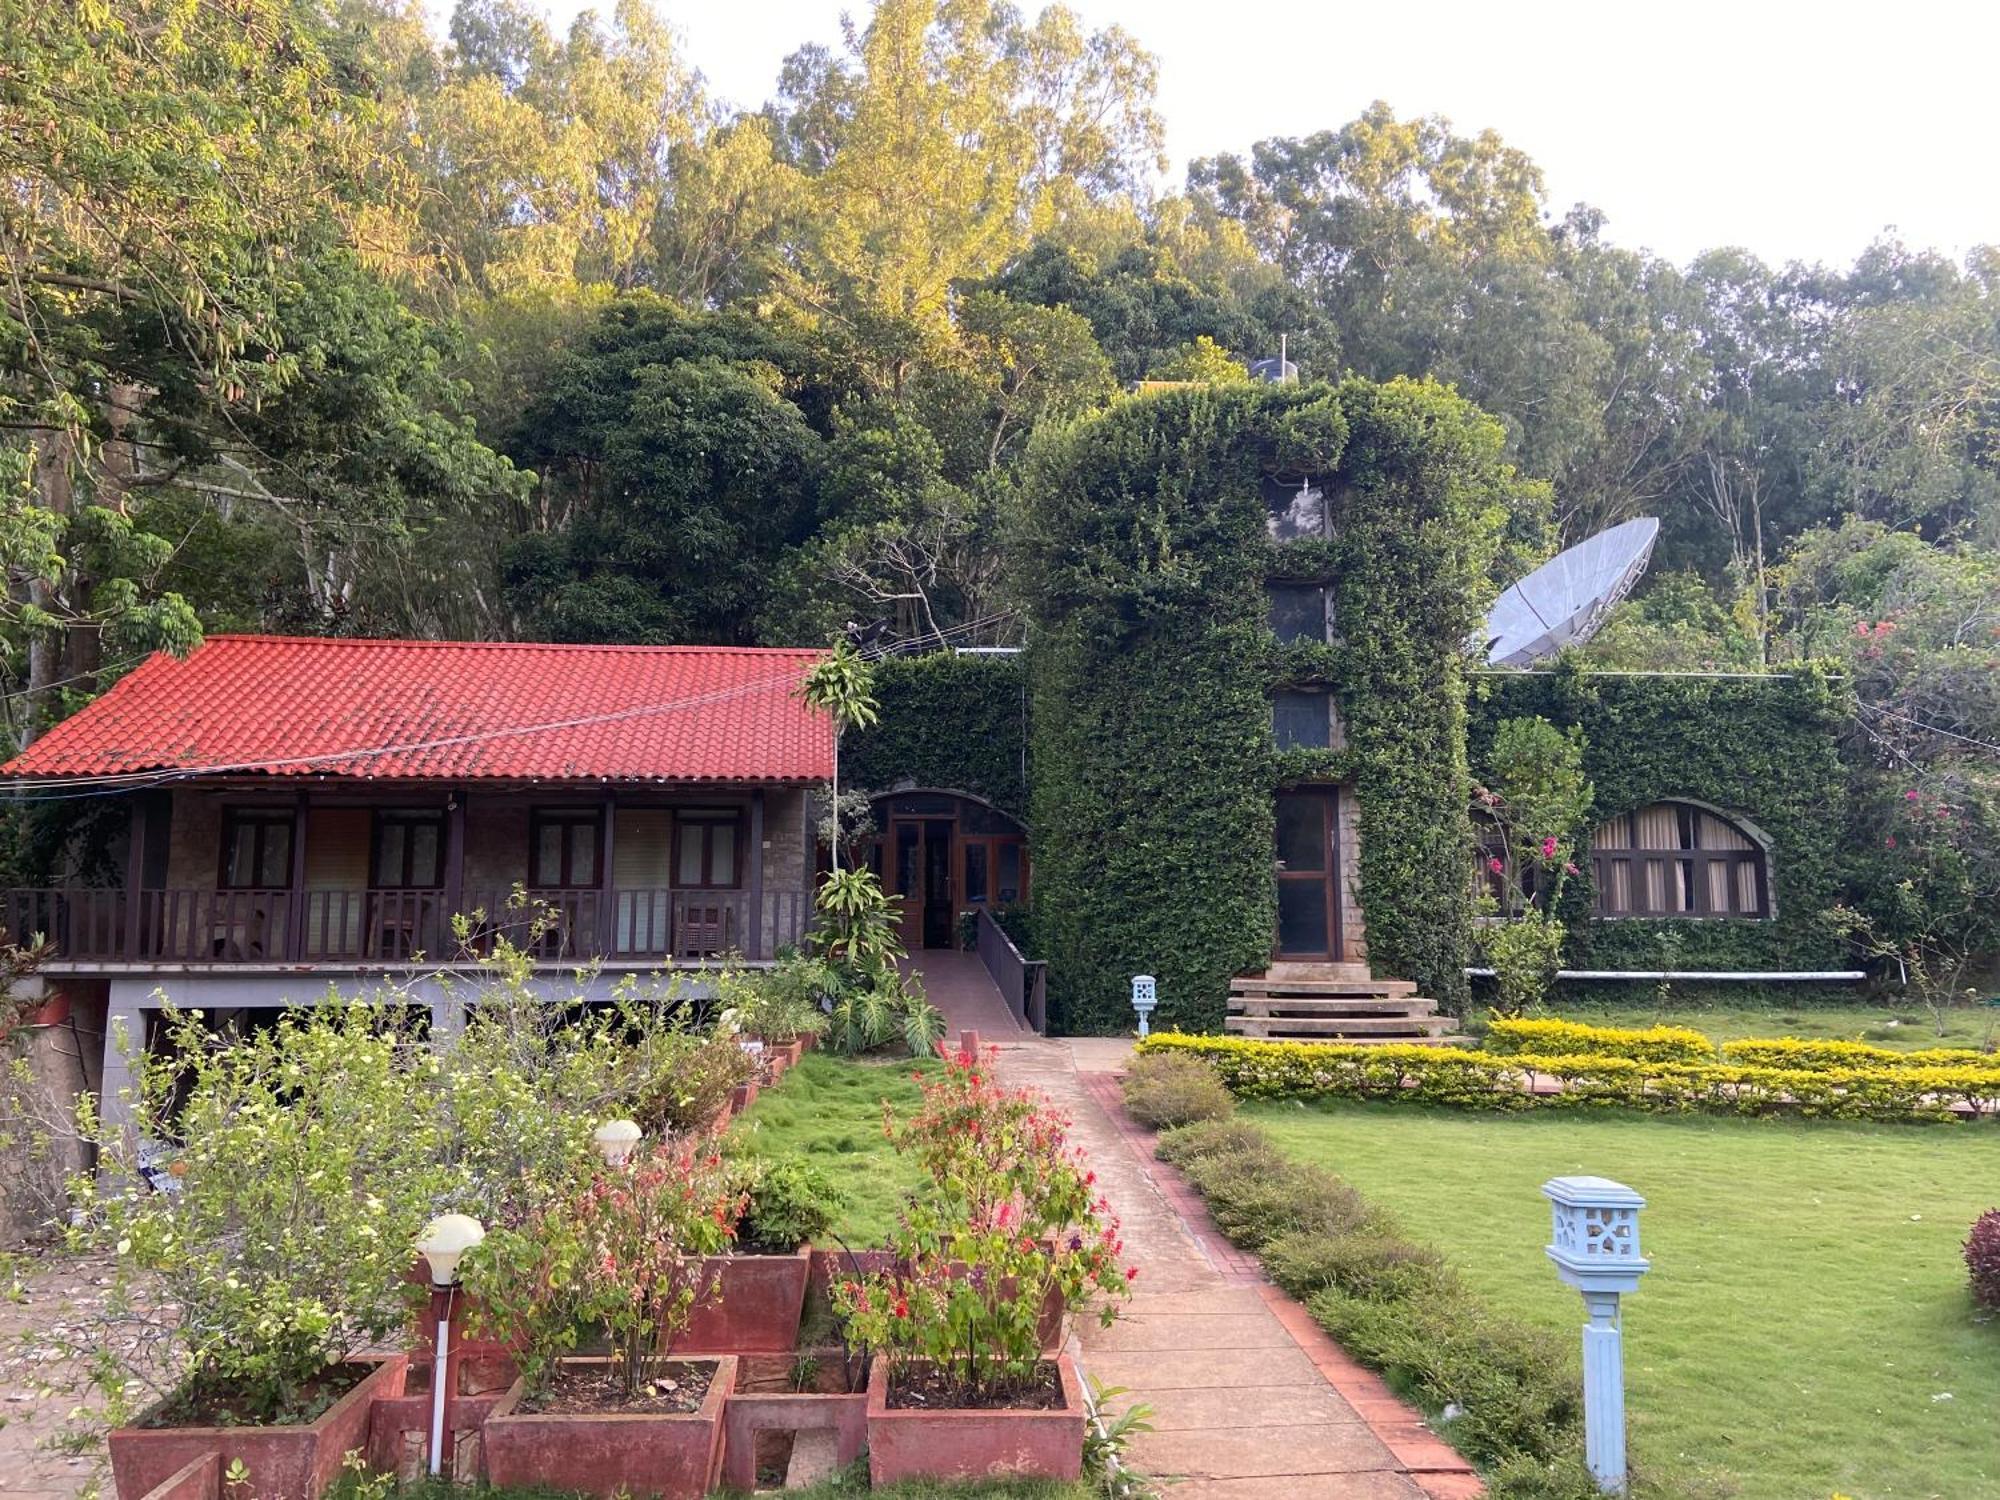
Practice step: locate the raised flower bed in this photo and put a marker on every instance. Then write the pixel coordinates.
(583, 1431)
(1032, 1427)
(1013, 1225)
(631, 1250)
(753, 1308)
(291, 1461)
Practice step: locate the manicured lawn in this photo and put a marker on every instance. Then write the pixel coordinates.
(1907, 1028)
(1806, 1327)
(829, 1109)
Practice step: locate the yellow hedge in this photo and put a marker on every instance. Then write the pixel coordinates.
(1548, 1038)
(1482, 1080)
(1794, 1052)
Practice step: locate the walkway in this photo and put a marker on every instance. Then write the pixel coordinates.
(959, 986)
(1250, 1399)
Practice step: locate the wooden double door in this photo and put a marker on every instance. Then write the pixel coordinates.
(1307, 859)
(944, 855)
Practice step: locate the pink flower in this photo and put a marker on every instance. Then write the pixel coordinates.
(1569, 867)
(1889, 842)
(1495, 866)
(1549, 847)
(1910, 795)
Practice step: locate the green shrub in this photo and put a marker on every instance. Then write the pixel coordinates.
(1283, 1198)
(1166, 1089)
(780, 1003)
(1210, 1138)
(1516, 1386)
(691, 1083)
(1374, 1264)
(792, 1202)
(1551, 1038)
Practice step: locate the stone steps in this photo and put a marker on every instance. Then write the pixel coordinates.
(1331, 1005)
(1326, 1006)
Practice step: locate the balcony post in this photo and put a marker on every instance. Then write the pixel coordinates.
(605, 939)
(756, 921)
(135, 873)
(454, 863)
(295, 904)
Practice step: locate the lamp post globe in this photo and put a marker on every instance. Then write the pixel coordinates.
(615, 1141)
(445, 1241)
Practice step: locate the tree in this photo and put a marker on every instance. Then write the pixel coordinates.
(841, 685)
(679, 457)
(168, 162)
(1538, 797)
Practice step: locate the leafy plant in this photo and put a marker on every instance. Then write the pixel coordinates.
(1982, 1258)
(302, 1161)
(1538, 797)
(689, 1082)
(790, 1202)
(622, 1251)
(1013, 1219)
(1164, 1089)
(1105, 1443)
(779, 1004)
(874, 1001)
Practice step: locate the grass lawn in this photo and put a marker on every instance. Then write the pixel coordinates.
(1806, 1327)
(1906, 1028)
(829, 1109)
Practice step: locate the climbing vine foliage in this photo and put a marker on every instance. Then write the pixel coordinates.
(1145, 555)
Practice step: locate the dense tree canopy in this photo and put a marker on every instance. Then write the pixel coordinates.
(317, 316)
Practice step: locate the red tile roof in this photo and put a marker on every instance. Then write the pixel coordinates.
(448, 710)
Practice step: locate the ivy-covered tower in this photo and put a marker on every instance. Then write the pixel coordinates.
(1248, 608)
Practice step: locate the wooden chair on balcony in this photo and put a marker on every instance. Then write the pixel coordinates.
(704, 929)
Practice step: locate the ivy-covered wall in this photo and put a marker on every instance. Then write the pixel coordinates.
(949, 721)
(1144, 557)
(1765, 749)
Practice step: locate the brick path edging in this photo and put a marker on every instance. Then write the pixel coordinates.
(1437, 1468)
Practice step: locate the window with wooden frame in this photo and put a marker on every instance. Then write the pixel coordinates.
(708, 848)
(566, 848)
(409, 851)
(256, 848)
(1674, 859)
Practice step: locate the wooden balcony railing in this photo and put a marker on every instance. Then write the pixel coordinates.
(393, 926)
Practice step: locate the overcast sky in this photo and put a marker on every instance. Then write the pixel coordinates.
(1799, 130)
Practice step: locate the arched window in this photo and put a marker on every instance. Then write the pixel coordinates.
(1674, 859)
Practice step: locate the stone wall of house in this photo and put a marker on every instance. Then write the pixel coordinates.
(1353, 926)
(787, 866)
(194, 840)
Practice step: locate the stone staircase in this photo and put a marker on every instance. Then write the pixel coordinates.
(1334, 1003)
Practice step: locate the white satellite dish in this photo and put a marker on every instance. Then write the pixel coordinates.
(1566, 600)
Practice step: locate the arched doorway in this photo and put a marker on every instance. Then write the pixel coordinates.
(946, 854)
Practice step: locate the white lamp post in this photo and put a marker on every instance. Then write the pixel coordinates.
(1595, 1247)
(444, 1243)
(615, 1140)
(1145, 995)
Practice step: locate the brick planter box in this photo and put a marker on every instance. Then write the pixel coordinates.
(765, 1401)
(284, 1463)
(676, 1456)
(976, 1442)
(754, 1307)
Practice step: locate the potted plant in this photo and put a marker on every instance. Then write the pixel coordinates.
(761, 1283)
(960, 1386)
(290, 1171)
(778, 1007)
(623, 1254)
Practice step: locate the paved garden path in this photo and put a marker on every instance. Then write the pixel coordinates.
(1250, 1399)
